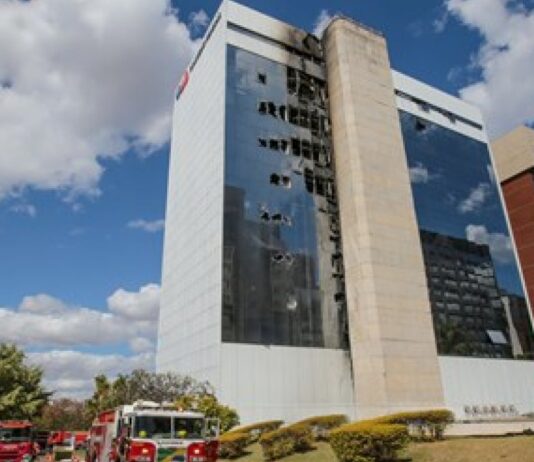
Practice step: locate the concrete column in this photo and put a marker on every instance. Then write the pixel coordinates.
(393, 347)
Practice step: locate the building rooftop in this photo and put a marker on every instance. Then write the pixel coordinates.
(514, 152)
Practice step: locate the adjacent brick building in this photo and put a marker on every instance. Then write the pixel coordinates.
(514, 162)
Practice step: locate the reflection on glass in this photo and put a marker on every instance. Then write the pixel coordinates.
(477, 299)
(282, 267)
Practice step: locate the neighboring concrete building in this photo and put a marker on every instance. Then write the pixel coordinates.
(294, 278)
(514, 163)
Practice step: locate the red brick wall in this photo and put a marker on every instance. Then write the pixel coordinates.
(519, 198)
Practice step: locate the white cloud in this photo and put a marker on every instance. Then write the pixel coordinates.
(491, 173)
(420, 174)
(25, 209)
(500, 245)
(70, 373)
(146, 225)
(476, 198)
(42, 304)
(198, 20)
(141, 345)
(80, 84)
(506, 60)
(45, 321)
(440, 23)
(321, 23)
(141, 305)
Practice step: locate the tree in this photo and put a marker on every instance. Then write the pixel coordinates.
(22, 395)
(64, 414)
(140, 384)
(210, 407)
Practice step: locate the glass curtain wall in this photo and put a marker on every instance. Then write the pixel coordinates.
(282, 268)
(471, 269)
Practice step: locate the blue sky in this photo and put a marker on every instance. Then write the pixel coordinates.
(84, 130)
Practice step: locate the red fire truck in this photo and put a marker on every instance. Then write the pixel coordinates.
(150, 432)
(16, 444)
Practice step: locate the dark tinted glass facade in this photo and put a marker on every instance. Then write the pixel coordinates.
(282, 268)
(466, 244)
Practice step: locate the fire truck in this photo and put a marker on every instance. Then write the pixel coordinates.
(16, 444)
(150, 432)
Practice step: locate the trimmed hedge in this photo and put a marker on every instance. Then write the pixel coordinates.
(256, 430)
(286, 441)
(368, 441)
(321, 425)
(426, 425)
(232, 445)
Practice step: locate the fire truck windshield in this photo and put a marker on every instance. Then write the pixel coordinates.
(15, 434)
(188, 428)
(152, 427)
(159, 427)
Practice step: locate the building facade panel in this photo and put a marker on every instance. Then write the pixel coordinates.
(487, 389)
(190, 316)
(395, 368)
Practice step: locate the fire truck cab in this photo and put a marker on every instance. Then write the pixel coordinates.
(150, 432)
(16, 443)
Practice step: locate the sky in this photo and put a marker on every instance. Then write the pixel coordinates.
(86, 93)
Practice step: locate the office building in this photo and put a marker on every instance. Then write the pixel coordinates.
(303, 174)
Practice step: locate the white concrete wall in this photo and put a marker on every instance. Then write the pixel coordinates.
(487, 382)
(273, 382)
(190, 309)
(442, 100)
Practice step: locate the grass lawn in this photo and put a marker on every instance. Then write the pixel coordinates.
(512, 449)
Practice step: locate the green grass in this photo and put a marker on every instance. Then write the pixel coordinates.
(505, 449)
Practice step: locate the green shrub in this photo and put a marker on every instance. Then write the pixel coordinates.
(255, 430)
(368, 441)
(232, 445)
(426, 425)
(321, 425)
(286, 441)
(210, 407)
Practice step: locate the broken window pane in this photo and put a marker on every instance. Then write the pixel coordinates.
(275, 179)
(320, 186)
(262, 78)
(295, 146)
(286, 181)
(262, 107)
(304, 120)
(339, 297)
(283, 112)
(293, 115)
(314, 123)
(306, 149)
(262, 142)
(280, 180)
(306, 89)
(272, 108)
(274, 144)
(316, 150)
(291, 80)
(308, 180)
(284, 144)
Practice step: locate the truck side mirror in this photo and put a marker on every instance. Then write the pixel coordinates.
(212, 428)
